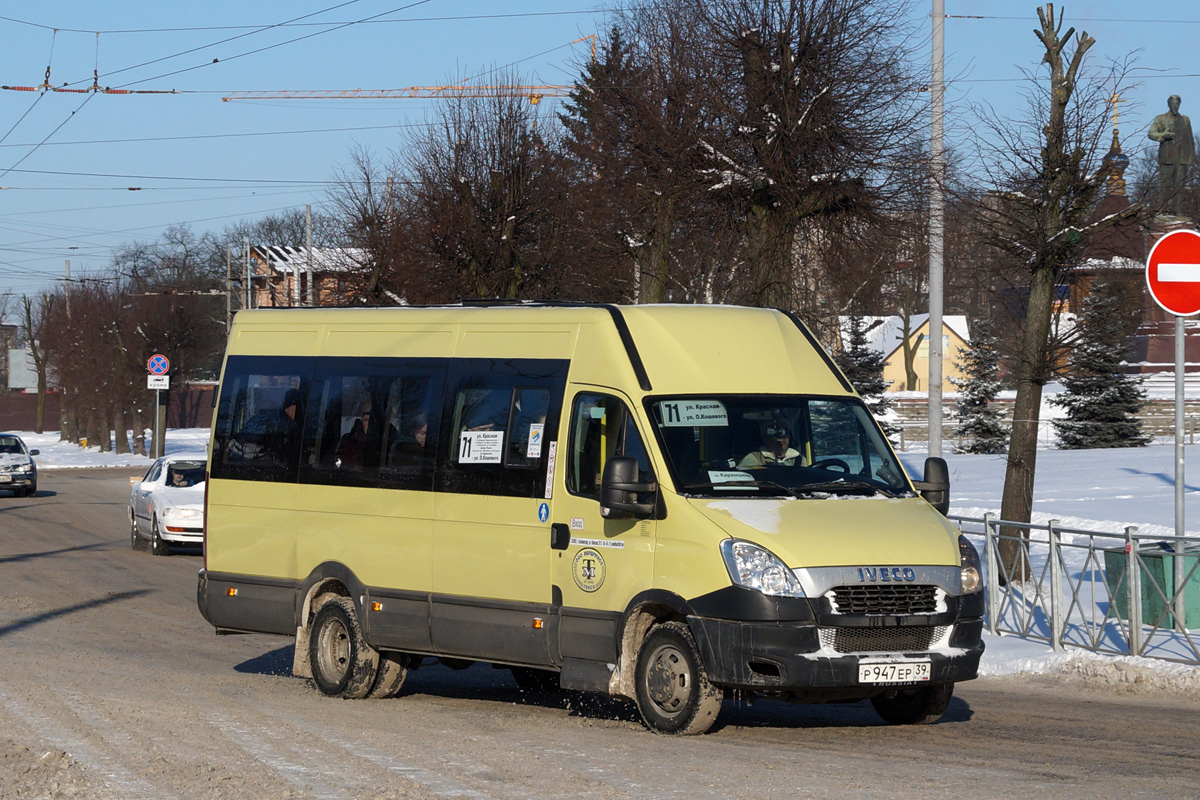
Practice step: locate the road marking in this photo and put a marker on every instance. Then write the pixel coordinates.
(1179, 273)
(126, 784)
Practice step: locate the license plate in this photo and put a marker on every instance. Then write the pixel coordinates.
(5, 478)
(894, 672)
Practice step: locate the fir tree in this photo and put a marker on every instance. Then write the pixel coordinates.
(980, 425)
(863, 367)
(1101, 401)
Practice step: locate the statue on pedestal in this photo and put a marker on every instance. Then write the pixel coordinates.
(1176, 152)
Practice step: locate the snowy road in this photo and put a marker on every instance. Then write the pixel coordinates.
(112, 686)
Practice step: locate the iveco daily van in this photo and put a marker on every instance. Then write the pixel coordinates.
(671, 504)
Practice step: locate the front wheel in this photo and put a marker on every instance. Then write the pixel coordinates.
(135, 540)
(673, 693)
(914, 706)
(158, 545)
(341, 660)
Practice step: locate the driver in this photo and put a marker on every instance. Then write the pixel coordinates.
(776, 446)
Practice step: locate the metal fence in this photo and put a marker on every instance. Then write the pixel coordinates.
(1120, 593)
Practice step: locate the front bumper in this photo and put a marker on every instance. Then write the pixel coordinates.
(791, 658)
(170, 532)
(13, 480)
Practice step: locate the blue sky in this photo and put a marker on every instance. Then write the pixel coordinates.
(257, 157)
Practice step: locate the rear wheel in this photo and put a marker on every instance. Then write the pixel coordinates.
(341, 660)
(917, 706)
(673, 693)
(393, 669)
(158, 545)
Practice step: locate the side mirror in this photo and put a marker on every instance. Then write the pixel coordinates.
(936, 486)
(621, 496)
(35, 452)
(134, 480)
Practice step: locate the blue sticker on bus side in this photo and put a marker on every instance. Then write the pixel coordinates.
(543, 512)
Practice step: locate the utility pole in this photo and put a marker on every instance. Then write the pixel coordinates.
(67, 266)
(937, 206)
(312, 292)
(248, 304)
(228, 289)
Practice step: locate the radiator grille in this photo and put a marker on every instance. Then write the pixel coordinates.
(894, 599)
(881, 640)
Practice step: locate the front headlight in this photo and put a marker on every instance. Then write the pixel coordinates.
(972, 570)
(757, 568)
(183, 513)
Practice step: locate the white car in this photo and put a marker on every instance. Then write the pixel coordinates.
(166, 507)
(18, 473)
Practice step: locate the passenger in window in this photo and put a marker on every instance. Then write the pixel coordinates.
(776, 449)
(269, 434)
(359, 448)
(409, 450)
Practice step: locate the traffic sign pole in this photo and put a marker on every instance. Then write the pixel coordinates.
(158, 365)
(1173, 277)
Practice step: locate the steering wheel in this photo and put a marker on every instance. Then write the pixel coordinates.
(833, 462)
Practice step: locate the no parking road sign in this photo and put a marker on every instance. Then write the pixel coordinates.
(158, 365)
(1173, 273)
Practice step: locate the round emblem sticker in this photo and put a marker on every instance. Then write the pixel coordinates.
(588, 569)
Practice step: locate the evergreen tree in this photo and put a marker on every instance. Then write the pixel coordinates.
(863, 367)
(980, 424)
(1101, 401)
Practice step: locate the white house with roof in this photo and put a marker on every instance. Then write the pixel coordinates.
(885, 335)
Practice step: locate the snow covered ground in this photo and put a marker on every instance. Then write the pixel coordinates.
(1100, 490)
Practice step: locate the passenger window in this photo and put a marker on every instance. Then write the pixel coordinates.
(259, 419)
(602, 427)
(500, 414)
(370, 423)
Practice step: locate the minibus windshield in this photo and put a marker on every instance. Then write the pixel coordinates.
(759, 445)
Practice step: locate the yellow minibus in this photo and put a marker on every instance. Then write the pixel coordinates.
(670, 504)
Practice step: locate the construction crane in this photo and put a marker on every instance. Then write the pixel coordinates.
(534, 93)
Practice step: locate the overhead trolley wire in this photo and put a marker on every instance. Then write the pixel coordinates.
(201, 28)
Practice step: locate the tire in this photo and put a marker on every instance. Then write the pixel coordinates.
(157, 546)
(393, 669)
(135, 539)
(535, 681)
(31, 491)
(914, 706)
(342, 662)
(674, 695)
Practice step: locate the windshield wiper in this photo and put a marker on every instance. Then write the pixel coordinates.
(751, 484)
(842, 485)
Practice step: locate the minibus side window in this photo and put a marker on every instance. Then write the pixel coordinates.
(498, 415)
(369, 423)
(259, 418)
(601, 427)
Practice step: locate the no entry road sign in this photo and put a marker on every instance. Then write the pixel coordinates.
(1173, 273)
(158, 365)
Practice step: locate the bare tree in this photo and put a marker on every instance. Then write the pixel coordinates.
(820, 116)
(1048, 175)
(35, 314)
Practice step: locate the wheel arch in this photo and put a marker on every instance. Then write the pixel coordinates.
(644, 611)
(330, 577)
